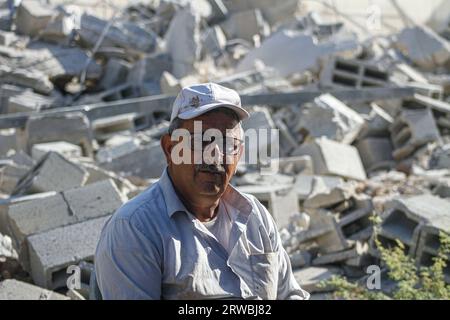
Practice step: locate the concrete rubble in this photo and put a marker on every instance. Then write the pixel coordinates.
(363, 126)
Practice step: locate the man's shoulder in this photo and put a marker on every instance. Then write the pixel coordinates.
(146, 207)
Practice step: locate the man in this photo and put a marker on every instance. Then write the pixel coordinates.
(192, 235)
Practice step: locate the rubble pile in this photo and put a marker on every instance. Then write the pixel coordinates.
(364, 129)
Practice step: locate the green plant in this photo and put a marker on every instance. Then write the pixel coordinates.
(413, 283)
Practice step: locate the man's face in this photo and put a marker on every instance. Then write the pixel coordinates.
(210, 170)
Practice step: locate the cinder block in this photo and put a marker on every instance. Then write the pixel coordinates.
(246, 24)
(12, 289)
(354, 222)
(405, 217)
(331, 118)
(66, 208)
(358, 250)
(304, 184)
(70, 127)
(52, 173)
(333, 240)
(10, 175)
(333, 158)
(5, 204)
(376, 153)
(411, 130)
(147, 162)
(33, 17)
(353, 73)
(53, 251)
(115, 73)
(280, 201)
(105, 128)
(68, 150)
(322, 196)
(8, 141)
(424, 47)
(429, 244)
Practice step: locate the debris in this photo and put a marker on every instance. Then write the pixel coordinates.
(17, 290)
(329, 117)
(424, 47)
(53, 172)
(333, 158)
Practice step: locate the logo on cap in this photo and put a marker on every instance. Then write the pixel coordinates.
(195, 102)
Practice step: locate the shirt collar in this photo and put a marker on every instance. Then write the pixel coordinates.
(232, 197)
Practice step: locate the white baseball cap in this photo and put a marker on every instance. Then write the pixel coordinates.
(198, 99)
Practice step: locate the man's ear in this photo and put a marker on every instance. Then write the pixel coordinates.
(167, 146)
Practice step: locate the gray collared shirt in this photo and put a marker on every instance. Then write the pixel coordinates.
(152, 248)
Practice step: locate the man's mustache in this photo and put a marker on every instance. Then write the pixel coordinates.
(211, 168)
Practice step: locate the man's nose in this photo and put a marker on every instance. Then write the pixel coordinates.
(213, 155)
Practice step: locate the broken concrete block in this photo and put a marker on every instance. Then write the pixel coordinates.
(30, 78)
(331, 241)
(245, 25)
(68, 150)
(150, 68)
(69, 207)
(115, 73)
(8, 38)
(430, 242)
(304, 184)
(376, 153)
(5, 204)
(310, 278)
(97, 174)
(340, 73)
(322, 196)
(259, 120)
(70, 127)
(105, 128)
(331, 118)
(424, 47)
(169, 84)
(22, 159)
(295, 44)
(280, 201)
(355, 222)
(213, 41)
(295, 165)
(6, 248)
(109, 153)
(52, 173)
(411, 130)
(121, 34)
(53, 251)
(275, 14)
(12, 289)
(8, 141)
(300, 259)
(333, 158)
(146, 162)
(255, 178)
(440, 158)
(358, 250)
(405, 217)
(183, 41)
(63, 25)
(10, 175)
(28, 101)
(32, 17)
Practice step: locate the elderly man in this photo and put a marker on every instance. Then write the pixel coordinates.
(192, 235)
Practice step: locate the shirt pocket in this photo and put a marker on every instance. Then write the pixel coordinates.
(265, 274)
